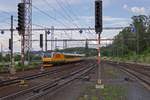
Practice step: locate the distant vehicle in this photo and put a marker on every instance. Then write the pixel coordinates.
(57, 58)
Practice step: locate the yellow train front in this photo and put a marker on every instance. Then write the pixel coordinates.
(56, 58)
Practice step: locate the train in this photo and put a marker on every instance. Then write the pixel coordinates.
(57, 58)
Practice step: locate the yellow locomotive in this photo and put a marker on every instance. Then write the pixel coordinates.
(55, 58)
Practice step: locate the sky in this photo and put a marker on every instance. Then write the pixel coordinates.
(71, 13)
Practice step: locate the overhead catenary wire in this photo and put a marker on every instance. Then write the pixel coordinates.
(60, 13)
(34, 24)
(47, 3)
(51, 17)
(5, 12)
(69, 9)
(37, 25)
(65, 11)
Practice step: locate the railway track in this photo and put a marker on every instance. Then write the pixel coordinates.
(34, 76)
(140, 72)
(51, 85)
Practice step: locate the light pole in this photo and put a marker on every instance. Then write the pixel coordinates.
(55, 43)
(46, 33)
(52, 37)
(12, 70)
(2, 54)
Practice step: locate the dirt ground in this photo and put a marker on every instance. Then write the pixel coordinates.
(117, 86)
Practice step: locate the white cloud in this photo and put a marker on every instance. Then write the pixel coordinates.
(109, 18)
(108, 21)
(105, 18)
(135, 10)
(138, 10)
(120, 24)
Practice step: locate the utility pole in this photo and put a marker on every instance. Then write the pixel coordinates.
(41, 46)
(1, 49)
(12, 70)
(55, 43)
(98, 30)
(22, 49)
(41, 42)
(52, 37)
(28, 28)
(2, 53)
(63, 44)
(45, 40)
(66, 45)
(86, 47)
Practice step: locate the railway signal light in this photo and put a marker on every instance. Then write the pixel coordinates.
(98, 16)
(41, 40)
(80, 31)
(2, 32)
(21, 18)
(48, 32)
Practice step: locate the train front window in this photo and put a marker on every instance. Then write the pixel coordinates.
(47, 55)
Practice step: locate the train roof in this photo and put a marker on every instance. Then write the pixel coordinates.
(74, 54)
(66, 53)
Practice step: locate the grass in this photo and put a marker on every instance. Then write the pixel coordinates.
(19, 66)
(111, 92)
(142, 58)
(85, 97)
(94, 98)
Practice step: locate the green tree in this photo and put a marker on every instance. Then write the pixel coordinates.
(127, 42)
(140, 22)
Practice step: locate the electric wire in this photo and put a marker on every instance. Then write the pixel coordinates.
(48, 15)
(65, 11)
(70, 10)
(51, 17)
(60, 13)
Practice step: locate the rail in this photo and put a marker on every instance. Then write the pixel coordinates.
(43, 89)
